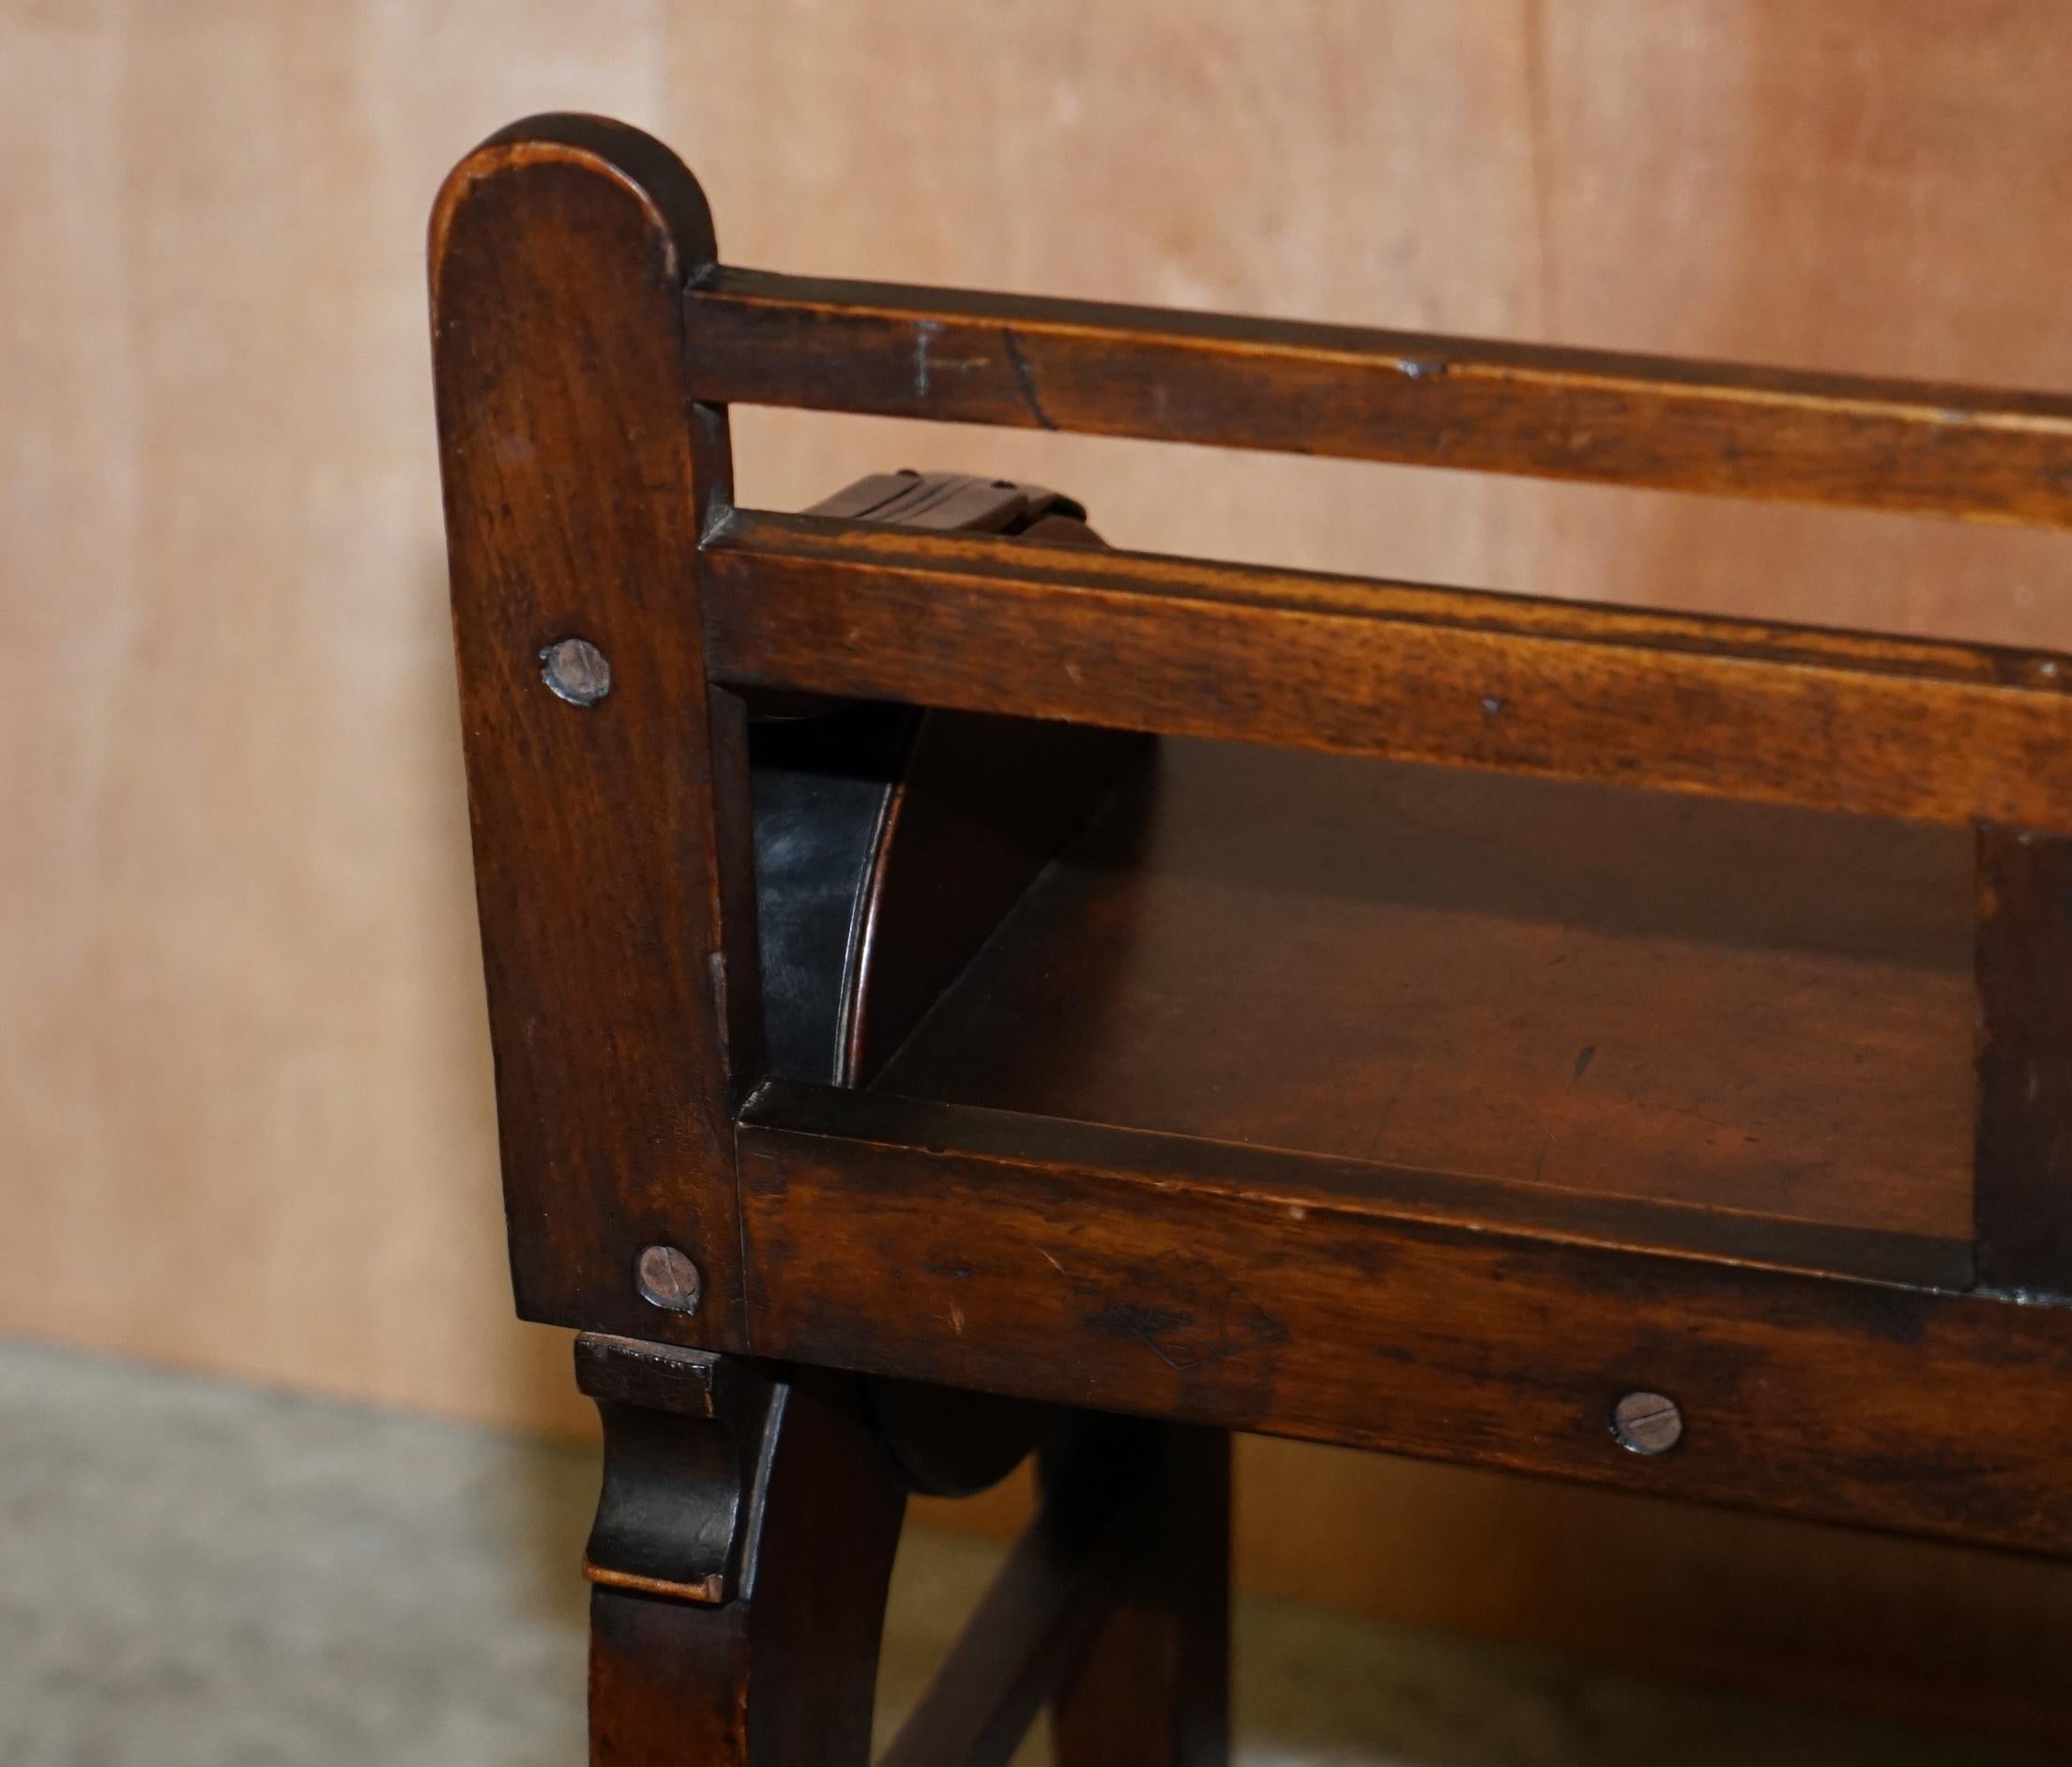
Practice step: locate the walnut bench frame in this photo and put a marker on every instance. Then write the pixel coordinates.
(872, 1292)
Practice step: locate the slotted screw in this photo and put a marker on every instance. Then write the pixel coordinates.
(1647, 1423)
(577, 670)
(669, 1279)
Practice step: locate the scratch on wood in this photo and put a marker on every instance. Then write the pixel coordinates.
(1024, 376)
(1180, 1341)
(925, 332)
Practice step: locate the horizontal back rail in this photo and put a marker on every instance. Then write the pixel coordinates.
(1796, 715)
(888, 350)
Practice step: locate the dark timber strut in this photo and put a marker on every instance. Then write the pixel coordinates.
(959, 991)
(1167, 376)
(1721, 706)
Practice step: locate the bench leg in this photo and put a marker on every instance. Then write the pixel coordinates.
(1154, 1690)
(743, 1545)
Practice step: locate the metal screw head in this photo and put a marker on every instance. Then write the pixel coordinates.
(576, 669)
(669, 1279)
(1647, 1423)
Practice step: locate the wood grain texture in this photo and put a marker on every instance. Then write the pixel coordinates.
(906, 1248)
(982, 806)
(1155, 1688)
(2024, 1151)
(240, 918)
(1043, 1611)
(610, 840)
(1723, 1019)
(241, 1017)
(889, 841)
(773, 1661)
(1188, 647)
(959, 356)
(684, 1432)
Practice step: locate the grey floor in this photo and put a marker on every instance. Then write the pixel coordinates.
(197, 1573)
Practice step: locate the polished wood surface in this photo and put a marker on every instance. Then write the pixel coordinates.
(769, 1488)
(960, 356)
(612, 869)
(2024, 1061)
(243, 918)
(1021, 1266)
(1211, 1282)
(1790, 715)
(1113, 1606)
(1594, 990)
(886, 829)
(745, 1543)
(1155, 1686)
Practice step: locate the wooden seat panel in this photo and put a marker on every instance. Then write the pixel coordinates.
(1586, 988)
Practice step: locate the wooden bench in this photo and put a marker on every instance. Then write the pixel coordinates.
(959, 990)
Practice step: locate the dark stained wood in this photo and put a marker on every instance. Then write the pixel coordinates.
(2024, 1184)
(1041, 1614)
(611, 855)
(1115, 1604)
(743, 1543)
(982, 806)
(947, 502)
(878, 1239)
(888, 844)
(821, 782)
(1323, 1094)
(1299, 1182)
(778, 1487)
(948, 1444)
(1155, 1691)
(1828, 721)
(684, 1432)
(979, 357)
(890, 841)
(661, 1680)
(1733, 1006)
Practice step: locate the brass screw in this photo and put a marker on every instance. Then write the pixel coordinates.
(577, 670)
(669, 1279)
(1647, 1423)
